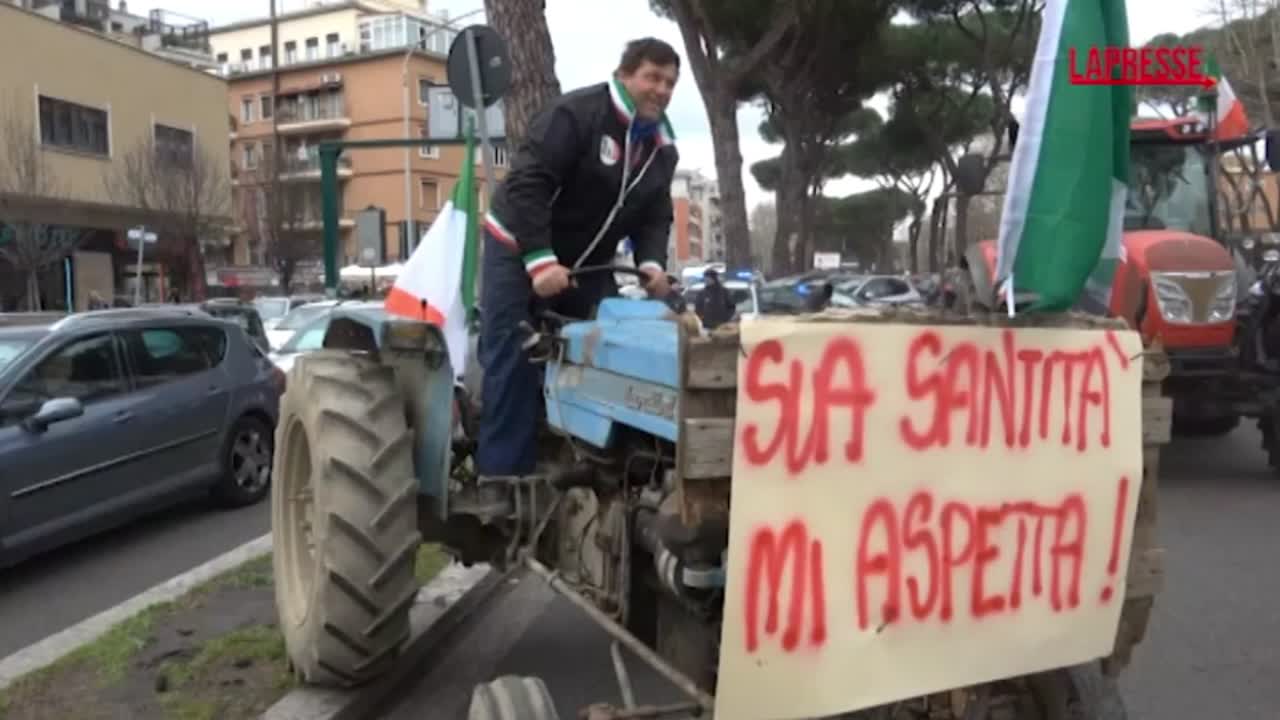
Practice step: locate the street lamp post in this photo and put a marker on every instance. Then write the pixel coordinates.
(408, 152)
(142, 236)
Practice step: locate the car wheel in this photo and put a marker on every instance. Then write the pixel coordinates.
(246, 463)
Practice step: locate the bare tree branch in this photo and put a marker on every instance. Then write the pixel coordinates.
(185, 198)
(26, 175)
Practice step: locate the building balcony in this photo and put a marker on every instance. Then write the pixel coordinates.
(300, 121)
(313, 223)
(295, 169)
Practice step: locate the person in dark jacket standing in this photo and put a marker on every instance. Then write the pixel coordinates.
(596, 166)
(715, 305)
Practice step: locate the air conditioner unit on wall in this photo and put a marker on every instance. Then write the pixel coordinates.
(331, 78)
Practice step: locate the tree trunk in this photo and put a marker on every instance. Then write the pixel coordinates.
(33, 290)
(722, 116)
(913, 240)
(523, 24)
(962, 231)
(792, 189)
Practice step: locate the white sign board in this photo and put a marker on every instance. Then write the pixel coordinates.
(920, 508)
(447, 118)
(825, 261)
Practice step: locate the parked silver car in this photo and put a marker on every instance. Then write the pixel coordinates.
(875, 290)
(109, 414)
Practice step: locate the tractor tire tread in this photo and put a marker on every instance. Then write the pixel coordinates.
(363, 587)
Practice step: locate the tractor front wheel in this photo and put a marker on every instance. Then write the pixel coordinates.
(343, 519)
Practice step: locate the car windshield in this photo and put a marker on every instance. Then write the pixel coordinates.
(11, 348)
(1168, 189)
(850, 284)
(239, 316)
(302, 315)
(272, 308)
(308, 338)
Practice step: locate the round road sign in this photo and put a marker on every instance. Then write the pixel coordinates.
(495, 66)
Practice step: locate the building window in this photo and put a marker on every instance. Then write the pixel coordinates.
(290, 52)
(267, 107)
(424, 90)
(249, 157)
(74, 127)
(174, 146)
(117, 27)
(264, 56)
(429, 195)
(497, 154)
(246, 58)
(430, 152)
(313, 49)
(246, 109)
(332, 47)
(222, 58)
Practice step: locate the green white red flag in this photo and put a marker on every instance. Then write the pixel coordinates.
(438, 283)
(1063, 215)
(1232, 122)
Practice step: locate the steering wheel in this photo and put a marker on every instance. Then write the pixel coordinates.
(616, 269)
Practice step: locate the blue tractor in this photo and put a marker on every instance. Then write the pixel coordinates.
(373, 459)
(628, 515)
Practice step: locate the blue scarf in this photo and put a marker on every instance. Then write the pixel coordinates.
(643, 129)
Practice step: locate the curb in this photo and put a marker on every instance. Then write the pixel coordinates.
(55, 647)
(442, 605)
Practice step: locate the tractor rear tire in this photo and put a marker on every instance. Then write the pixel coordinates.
(344, 561)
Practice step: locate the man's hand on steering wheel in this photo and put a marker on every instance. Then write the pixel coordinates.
(551, 281)
(656, 282)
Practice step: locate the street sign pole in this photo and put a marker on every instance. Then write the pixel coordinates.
(329, 214)
(477, 94)
(143, 237)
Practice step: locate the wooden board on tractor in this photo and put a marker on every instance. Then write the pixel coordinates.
(751, 401)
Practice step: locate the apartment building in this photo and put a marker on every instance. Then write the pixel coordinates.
(162, 32)
(345, 70)
(697, 232)
(82, 128)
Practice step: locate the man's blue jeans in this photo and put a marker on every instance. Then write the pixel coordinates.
(507, 442)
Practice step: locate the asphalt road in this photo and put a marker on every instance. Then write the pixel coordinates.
(1213, 647)
(1212, 650)
(51, 592)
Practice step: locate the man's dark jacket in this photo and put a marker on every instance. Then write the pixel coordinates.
(565, 180)
(715, 305)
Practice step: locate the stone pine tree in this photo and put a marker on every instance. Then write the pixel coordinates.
(726, 43)
(523, 24)
(826, 67)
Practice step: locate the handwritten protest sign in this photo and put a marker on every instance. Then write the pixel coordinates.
(919, 508)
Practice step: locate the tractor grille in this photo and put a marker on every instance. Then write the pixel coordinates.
(1201, 289)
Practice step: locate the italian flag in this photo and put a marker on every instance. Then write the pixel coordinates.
(1229, 111)
(438, 283)
(1063, 216)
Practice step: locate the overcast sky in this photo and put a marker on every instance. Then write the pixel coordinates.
(589, 34)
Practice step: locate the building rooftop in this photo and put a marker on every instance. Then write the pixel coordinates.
(187, 61)
(324, 62)
(324, 8)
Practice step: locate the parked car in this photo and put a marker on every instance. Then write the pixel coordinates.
(244, 314)
(273, 308)
(285, 327)
(109, 414)
(310, 336)
(876, 290)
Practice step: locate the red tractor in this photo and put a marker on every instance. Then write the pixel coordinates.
(1180, 282)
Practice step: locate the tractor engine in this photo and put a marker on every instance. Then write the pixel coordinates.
(620, 536)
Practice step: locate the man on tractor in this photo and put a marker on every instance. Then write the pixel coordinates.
(596, 166)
